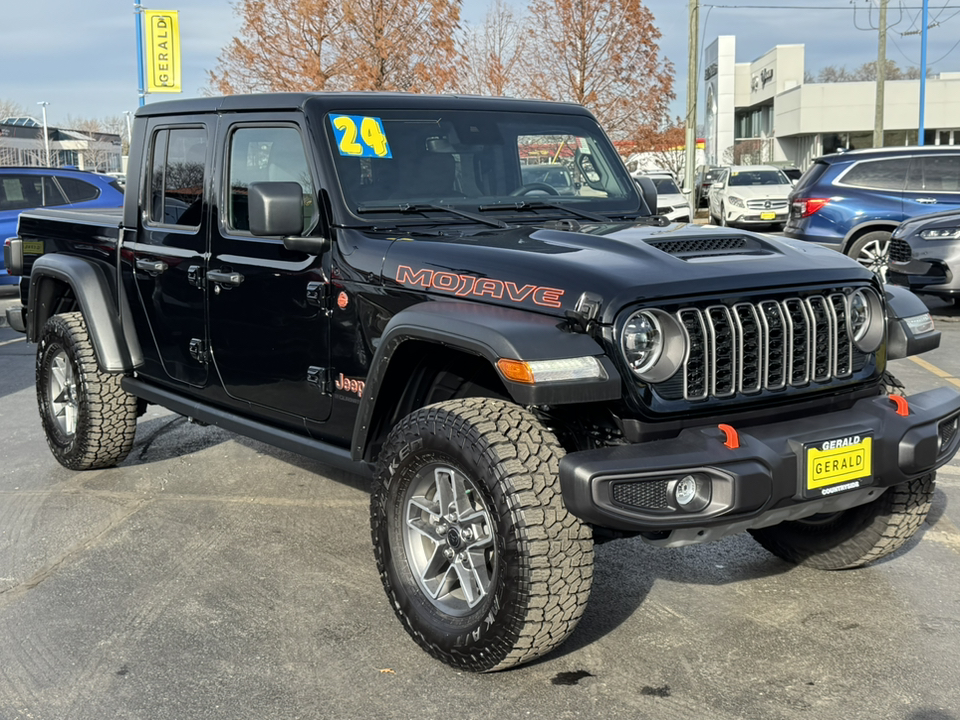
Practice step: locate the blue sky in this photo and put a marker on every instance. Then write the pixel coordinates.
(80, 55)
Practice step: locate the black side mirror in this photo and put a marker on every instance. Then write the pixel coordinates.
(276, 208)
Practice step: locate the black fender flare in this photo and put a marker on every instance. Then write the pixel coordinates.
(116, 350)
(492, 333)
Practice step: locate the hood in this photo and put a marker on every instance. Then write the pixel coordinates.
(547, 270)
(942, 219)
(760, 192)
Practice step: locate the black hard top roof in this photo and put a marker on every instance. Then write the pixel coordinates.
(324, 102)
(885, 152)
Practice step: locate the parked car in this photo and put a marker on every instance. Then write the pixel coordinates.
(25, 188)
(925, 255)
(671, 202)
(853, 201)
(750, 195)
(706, 175)
(555, 175)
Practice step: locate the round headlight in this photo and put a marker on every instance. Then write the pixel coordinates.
(865, 321)
(642, 341)
(653, 344)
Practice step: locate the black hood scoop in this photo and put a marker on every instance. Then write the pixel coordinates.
(690, 248)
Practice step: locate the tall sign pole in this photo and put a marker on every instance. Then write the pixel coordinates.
(923, 68)
(138, 13)
(881, 75)
(690, 158)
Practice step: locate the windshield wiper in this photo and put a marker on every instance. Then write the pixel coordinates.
(543, 205)
(407, 208)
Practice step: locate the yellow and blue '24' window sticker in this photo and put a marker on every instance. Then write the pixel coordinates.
(359, 136)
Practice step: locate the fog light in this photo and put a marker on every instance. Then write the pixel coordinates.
(692, 493)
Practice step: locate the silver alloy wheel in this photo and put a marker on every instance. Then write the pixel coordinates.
(448, 538)
(62, 393)
(875, 256)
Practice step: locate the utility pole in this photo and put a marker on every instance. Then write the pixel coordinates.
(881, 75)
(46, 135)
(690, 159)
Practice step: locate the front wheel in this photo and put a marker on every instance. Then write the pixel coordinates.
(88, 419)
(854, 537)
(481, 561)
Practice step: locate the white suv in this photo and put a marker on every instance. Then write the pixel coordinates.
(750, 195)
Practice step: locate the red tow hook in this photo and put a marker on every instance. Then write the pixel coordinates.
(903, 409)
(732, 438)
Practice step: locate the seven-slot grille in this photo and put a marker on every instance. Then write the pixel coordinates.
(900, 251)
(768, 345)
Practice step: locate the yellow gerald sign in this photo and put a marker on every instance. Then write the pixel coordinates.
(162, 51)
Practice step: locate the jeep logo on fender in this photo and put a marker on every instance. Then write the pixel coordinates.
(470, 286)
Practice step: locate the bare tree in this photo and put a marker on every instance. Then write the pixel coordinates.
(494, 53)
(865, 73)
(602, 54)
(9, 108)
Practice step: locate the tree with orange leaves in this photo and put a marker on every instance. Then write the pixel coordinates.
(307, 45)
(604, 55)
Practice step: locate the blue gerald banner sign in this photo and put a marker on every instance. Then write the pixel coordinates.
(359, 136)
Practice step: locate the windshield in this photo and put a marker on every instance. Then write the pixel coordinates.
(757, 177)
(390, 159)
(665, 186)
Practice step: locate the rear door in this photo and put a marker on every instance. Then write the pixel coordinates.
(269, 326)
(169, 251)
(933, 184)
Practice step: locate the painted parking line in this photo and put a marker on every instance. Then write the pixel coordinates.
(8, 342)
(930, 367)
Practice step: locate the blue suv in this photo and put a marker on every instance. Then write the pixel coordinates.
(25, 188)
(852, 201)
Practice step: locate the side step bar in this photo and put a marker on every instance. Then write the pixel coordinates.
(333, 455)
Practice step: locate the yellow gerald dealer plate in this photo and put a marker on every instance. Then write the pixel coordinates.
(33, 247)
(768, 216)
(841, 464)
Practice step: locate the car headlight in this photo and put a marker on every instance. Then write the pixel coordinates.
(653, 344)
(941, 234)
(735, 201)
(865, 321)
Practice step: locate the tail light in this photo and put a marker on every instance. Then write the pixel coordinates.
(805, 207)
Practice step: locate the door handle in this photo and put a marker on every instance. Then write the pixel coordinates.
(222, 277)
(927, 201)
(154, 267)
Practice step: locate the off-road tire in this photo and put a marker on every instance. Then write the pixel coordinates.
(103, 419)
(852, 538)
(540, 581)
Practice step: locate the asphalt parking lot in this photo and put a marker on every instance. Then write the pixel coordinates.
(211, 576)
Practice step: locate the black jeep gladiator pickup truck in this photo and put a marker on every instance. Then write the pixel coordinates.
(366, 279)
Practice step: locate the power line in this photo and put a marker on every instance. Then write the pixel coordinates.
(809, 7)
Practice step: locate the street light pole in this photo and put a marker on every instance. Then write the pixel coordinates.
(46, 137)
(923, 69)
(691, 128)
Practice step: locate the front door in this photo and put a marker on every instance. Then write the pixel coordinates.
(268, 321)
(168, 255)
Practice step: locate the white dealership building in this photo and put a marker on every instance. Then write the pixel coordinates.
(763, 111)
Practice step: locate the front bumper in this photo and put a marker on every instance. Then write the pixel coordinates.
(741, 216)
(761, 482)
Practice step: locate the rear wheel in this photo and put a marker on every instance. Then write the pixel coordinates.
(854, 537)
(88, 419)
(481, 561)
(873, 252)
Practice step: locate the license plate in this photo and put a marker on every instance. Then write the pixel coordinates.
(768, 216)
(33, 247)
(837, 465)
